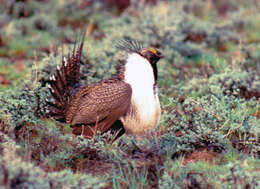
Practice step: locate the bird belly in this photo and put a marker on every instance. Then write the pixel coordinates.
(142, 116)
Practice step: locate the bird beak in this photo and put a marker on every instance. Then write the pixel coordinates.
(160, 55)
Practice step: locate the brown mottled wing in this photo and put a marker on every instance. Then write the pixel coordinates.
(99, 106)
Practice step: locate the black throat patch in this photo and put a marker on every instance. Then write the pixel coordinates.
(155, 74)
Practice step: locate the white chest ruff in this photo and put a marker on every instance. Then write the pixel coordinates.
(144, 113)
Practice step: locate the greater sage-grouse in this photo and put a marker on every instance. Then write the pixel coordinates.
(129, 97)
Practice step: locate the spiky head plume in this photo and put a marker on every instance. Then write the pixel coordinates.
(129, 44)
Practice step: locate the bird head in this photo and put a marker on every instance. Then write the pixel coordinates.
(130, 45)
(152, 54)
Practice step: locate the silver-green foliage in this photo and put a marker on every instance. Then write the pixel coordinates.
(18, 173)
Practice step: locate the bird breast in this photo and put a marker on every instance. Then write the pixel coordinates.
(144, 112)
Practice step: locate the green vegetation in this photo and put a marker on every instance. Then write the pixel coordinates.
(209, 83)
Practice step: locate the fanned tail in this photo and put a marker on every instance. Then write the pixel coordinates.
(64, 82)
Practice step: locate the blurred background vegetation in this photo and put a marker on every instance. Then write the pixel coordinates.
(209, 133)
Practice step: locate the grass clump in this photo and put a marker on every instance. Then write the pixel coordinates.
(17, 172)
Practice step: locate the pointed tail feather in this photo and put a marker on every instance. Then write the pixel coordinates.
(63, 83)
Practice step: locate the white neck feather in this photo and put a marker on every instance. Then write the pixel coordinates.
(139, 73)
